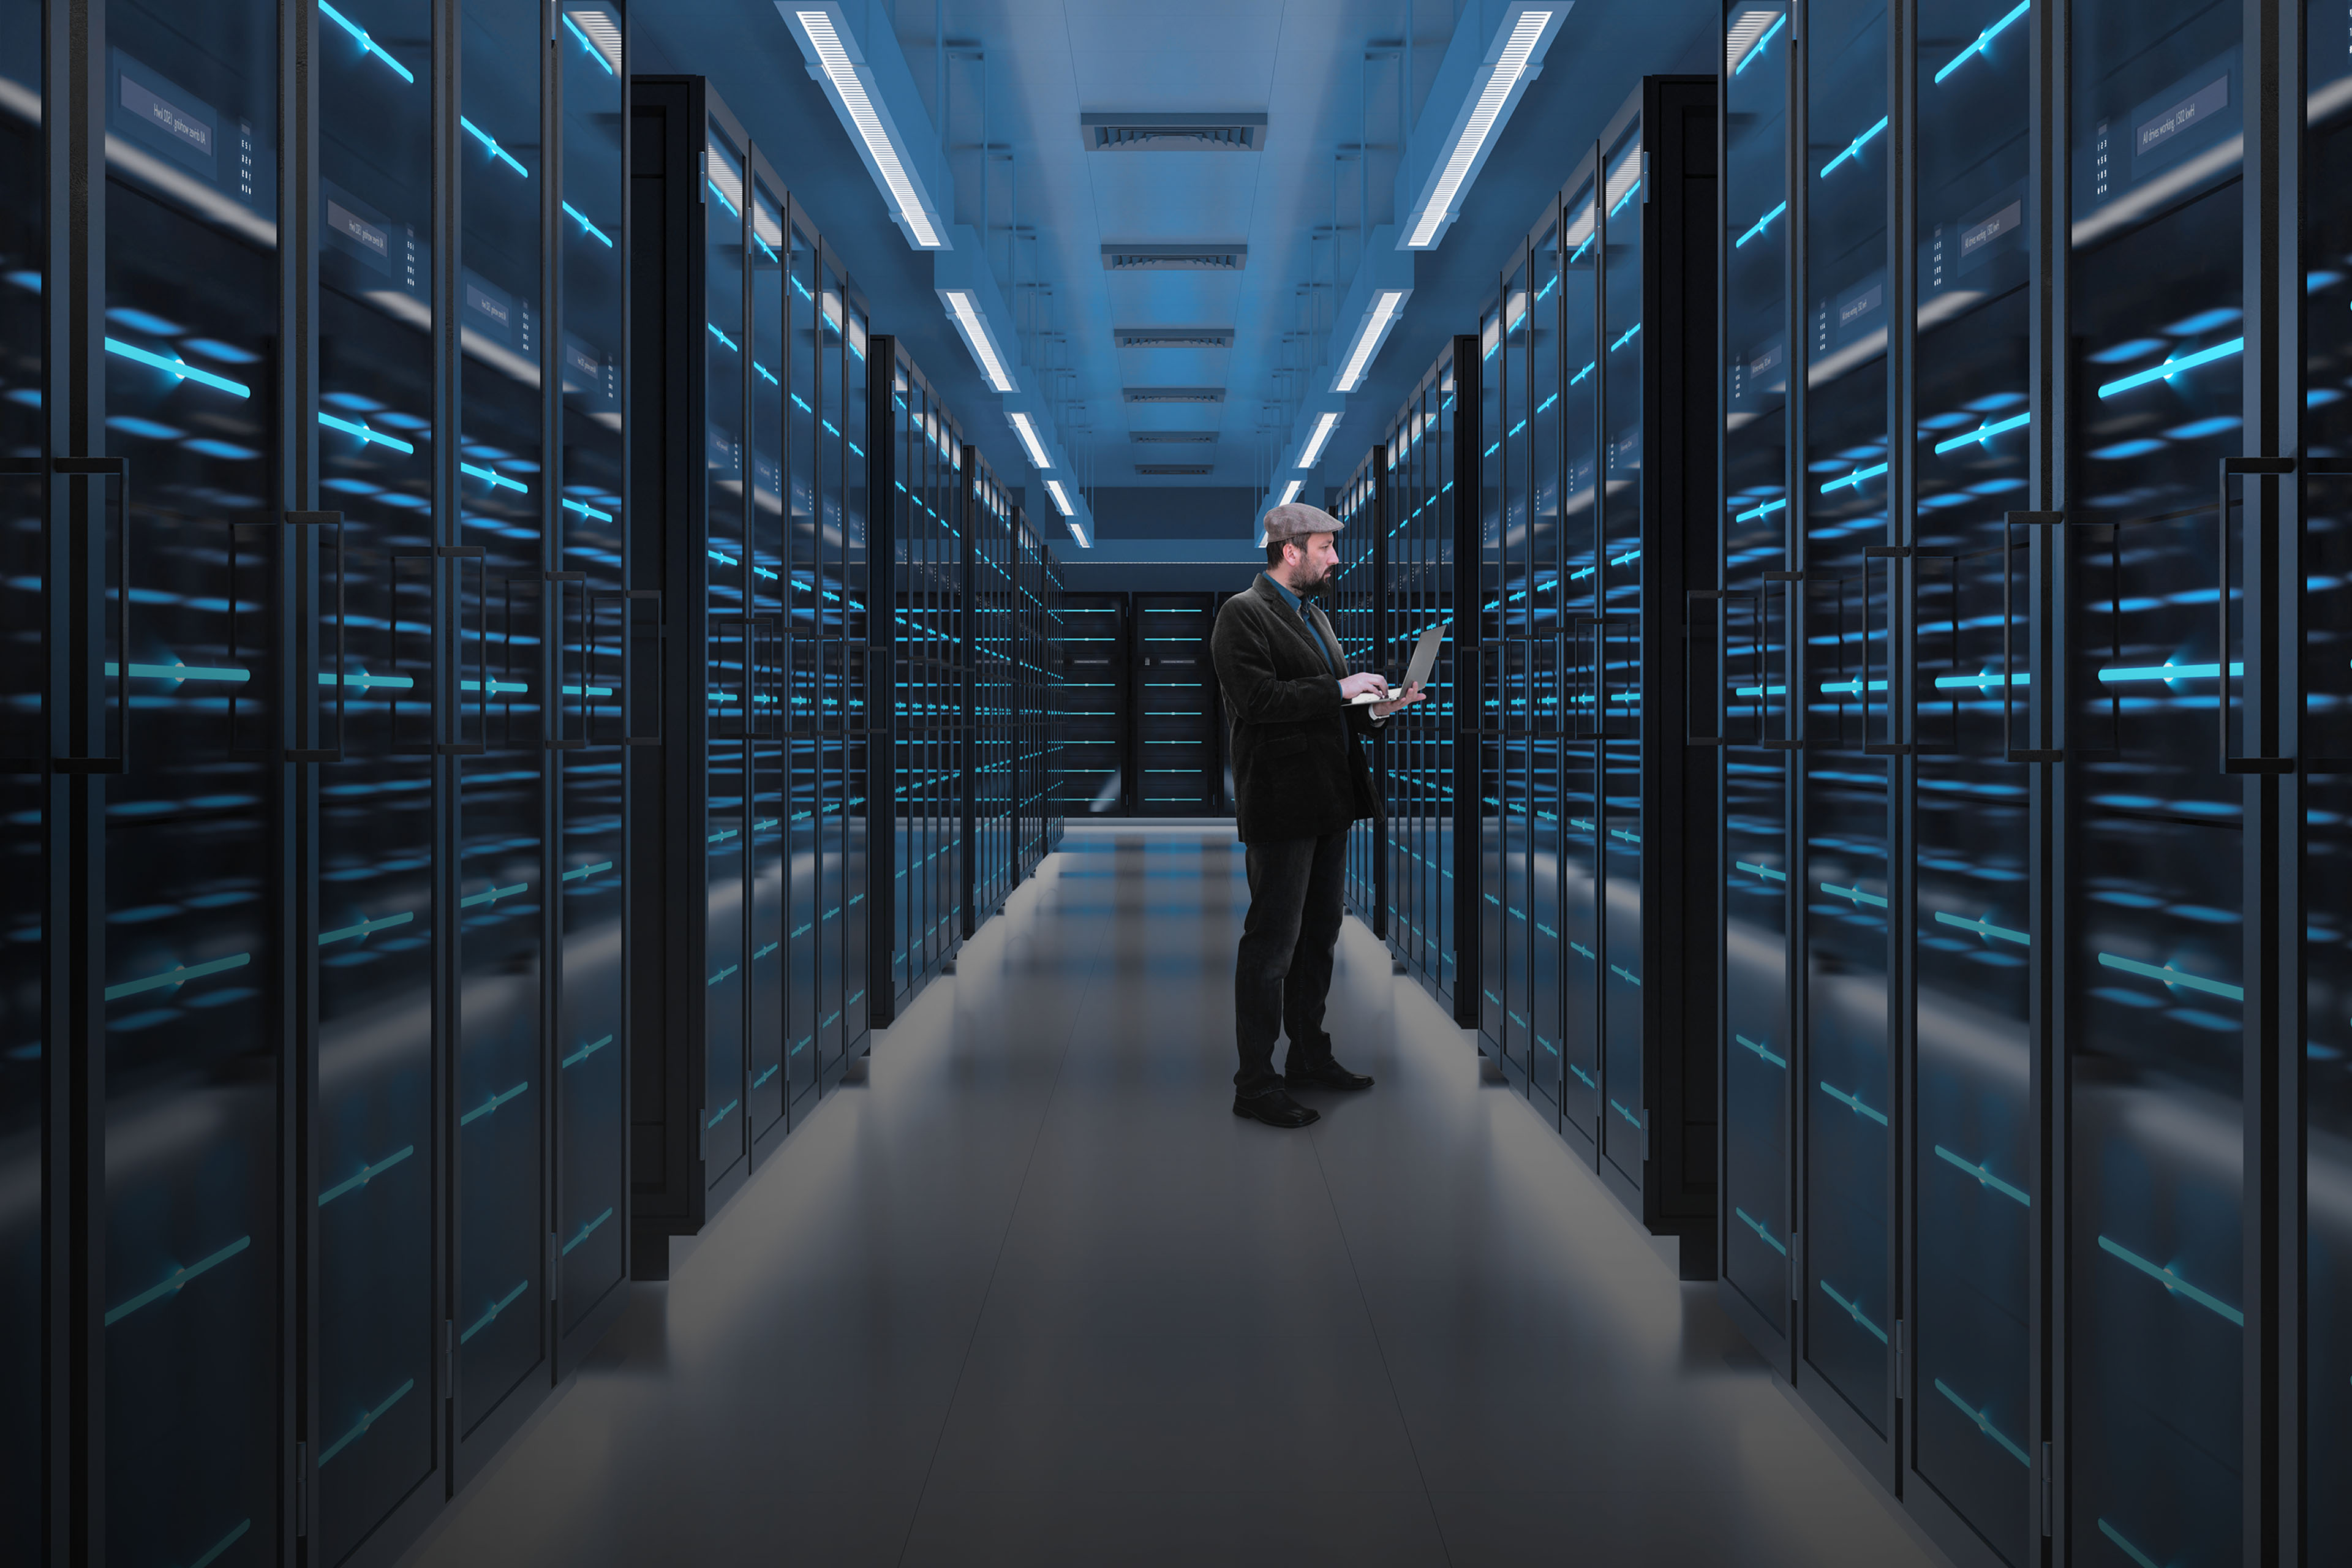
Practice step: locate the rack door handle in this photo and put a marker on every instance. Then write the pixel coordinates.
(308, 675)
(90, 672)
(2261, 662)
(2043, 530)
(1710, 605)
(559, 585)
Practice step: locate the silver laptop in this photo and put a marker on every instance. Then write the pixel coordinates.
(1425, 659)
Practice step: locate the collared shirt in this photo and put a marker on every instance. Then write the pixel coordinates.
(1299, 605)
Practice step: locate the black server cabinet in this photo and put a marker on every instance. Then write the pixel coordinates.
(1095, 776)
(1043, 668)
(2031, 660)
(1354, 608)
(1175, 714)
(314, 788)
(1598, 488)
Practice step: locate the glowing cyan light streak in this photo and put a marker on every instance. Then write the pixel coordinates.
(1764, 871)
(2172, 367)
(2173, 1283)
(369, 47)
(587, 1230)
(1984, 682)
(581, 218)
(1752, 1223)
(1983, 39)
(365, 928)
(495, 1100)
(176, 367)
(496, 479)
(1985, 928)
(1984, 1177)
(1580, 375)
(2168, 671)
(178, 976)
(581, 873)
(1853, 479)
(1628, 337)
(722, 337)
(1853, 150)
(589, 44)
(183, 672)
(584, 1052)
(1768, 1055)
(1853, 894)
(496, 152)
(1854, 1309)
(1854, 1103)
(353, 428)
(1758, 225)
(1757, 48)
(366, 1174)
(367, 1417)
(2168, 977)
(1755, 513)
(1984, 433)
(1983, 1423)
(487, 1318)
(177, 1281)
(585, 510)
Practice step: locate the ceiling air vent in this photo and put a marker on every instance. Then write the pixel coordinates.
(1173, 337)
(1173, 437)
(1173, 471)
(1174, 257)
(1175, 395)
(1173, 133)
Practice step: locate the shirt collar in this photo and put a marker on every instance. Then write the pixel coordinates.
(1297, 605)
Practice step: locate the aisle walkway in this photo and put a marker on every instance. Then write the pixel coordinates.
(1033, 1297)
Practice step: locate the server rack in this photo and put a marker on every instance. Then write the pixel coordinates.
(2033, 1100)
(1038, 583)
(915, 751)
(1431, 785)
(992, 685)
(1354, 600)
(1095, 776)
(1597, 524)
(311, 693)
(1175, 714)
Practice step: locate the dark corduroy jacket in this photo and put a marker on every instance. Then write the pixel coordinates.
(1298, 763)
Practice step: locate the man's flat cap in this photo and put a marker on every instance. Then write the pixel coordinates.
(1296, 520)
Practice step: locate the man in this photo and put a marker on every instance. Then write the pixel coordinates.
(1299, 779)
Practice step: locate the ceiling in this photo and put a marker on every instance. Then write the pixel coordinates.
(1007, 82)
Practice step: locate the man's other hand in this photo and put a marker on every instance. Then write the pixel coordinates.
(1369, 683)
(1411, 695)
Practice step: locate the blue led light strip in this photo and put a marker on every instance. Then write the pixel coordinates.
(2174, 1283)
(497, 480)
(2165, 372)
(722, 337)
(184, 973)
(333, 422)
(223, 1544)
(183, 672)
(177, 1281)
(1767, 510)
(1625, 1113)
(497, 152)
(367, 1173)
(1854, 894)
(1854, 1103)
(586, 1231)
(365, 928)
(594, 53)
(1854, 1309)
(494, 893)
(2128, 1549)
(1758, 225)
(369, 47)
(1764, 1236)
(1983, 433)
(2168, 671)
(1757, 49)
(578, 872)
(1985, 928)
(585, 510)
(487, 1318)
(175, 366)
(1628, 337)
(364, 680)
(367, 1418)
(1776, 1060)
(584, 1052)
(1981, 682)
(492, 1104)
(1853, 479)
(2171, 977)
(1853, 150)
(1765, 871)
(1983, 1424)
(577, 215)
(1977, 48)
(1984, 1177)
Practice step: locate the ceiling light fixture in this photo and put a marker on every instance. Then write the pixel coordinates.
(820, 32)
(1290, 491)
(1061, 498)
(1026, 429)
(1388, 306)
(965, 311)
(1494, 90)
(1325, 423)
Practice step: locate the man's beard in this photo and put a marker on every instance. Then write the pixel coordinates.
(1309, 590)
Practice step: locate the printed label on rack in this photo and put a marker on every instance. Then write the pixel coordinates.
(1978, 235)
(190, 129)
(370, 241)
(2193, 110)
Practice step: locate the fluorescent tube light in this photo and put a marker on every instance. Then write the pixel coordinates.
(1030, 443)
(965, 311)
(1387, 306)
(1290, 491)
(1325, 423)
(1061, 498)
(1079, 533)
(1470, 139)
(834, 60)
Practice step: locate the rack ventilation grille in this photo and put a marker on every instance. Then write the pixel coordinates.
(1175, 395)
(1174, 438)
(1175, 337)
(1174, 257)
(1173, 133)
(1175, 470)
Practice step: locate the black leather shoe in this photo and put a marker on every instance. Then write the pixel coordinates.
(1327, 1074)
(1275, 1108)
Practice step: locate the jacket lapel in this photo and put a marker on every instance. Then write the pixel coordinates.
(1310, 638)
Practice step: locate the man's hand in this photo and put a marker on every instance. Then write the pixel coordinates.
(1412, 694)
(1369, 682)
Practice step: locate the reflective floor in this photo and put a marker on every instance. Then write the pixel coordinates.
(1031, 1296)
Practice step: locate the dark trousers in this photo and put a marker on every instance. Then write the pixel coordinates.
(1284, 972)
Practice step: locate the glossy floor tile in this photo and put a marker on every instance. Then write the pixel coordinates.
(1033, 1296)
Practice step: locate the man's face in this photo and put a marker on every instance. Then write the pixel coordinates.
(1319, 557)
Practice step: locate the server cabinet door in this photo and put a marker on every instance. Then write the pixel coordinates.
(379, 1317)
(1174, 705)
(765, 964)
(192, 949)
(2153, 830)
(1972, 1145)
(1094, 685)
